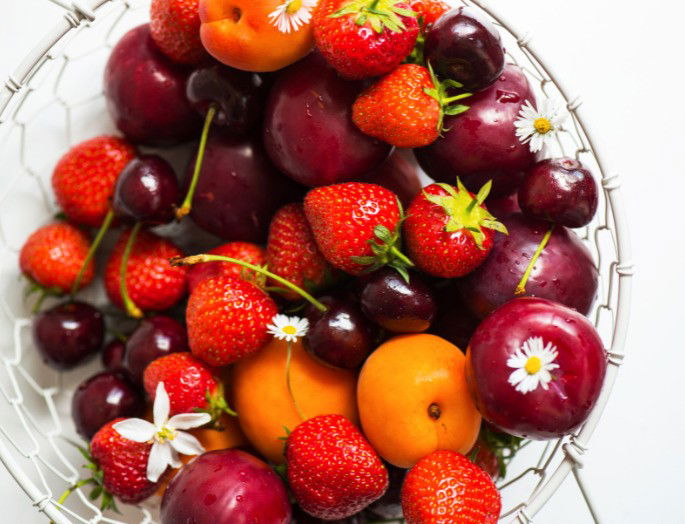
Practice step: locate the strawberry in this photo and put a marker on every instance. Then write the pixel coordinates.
(406, 107)
(84, 178)
(332, 470)
(428, 10)
(53, 255)
(445, 486)
(227, 318)
(245, 251)
(175, 28)
(292, 253)
(449, 231)
(153, 284)
(190, 384)
(120, 467)
(356, 226)
(363, 38)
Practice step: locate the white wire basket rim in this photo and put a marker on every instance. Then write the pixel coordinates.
(77, 14)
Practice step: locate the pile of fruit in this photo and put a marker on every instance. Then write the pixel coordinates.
(347, 343)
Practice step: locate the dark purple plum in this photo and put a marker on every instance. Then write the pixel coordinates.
(481, 143)
(399, 174)
(503, 207)
(146, 191)
(564, 271)
(397, 305)
(226, 487)
(104, 397)
(455, 322)
(465, 46)
(69, 334)
(239, 190)
(153, 338)
(342, 336)
(146, 92)
(561, 190)
(308, 128)
(113, 354)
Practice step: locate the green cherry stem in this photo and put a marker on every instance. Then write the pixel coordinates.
(288, 359)
(198, 259)
(521, 288)
(188, 201)
(130, 306)
(93, 249)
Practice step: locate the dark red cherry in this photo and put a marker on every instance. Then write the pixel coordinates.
(561, 190)
(104, 397)
(69, 334)
(454, 322)
(113, 354)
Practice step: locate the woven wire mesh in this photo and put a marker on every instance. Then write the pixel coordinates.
(55, 100)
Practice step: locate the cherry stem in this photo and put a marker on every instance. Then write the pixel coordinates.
(188, 201)
(92, 250)
(71, 489)
(521, 288)
(130, 306)
(198, 259)
(401, 256)
(455, 98)
(288, 359)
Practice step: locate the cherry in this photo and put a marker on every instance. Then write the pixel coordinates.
(104, 397)
(113, 354)
(146, 191)
(397, 305)
(400, 174)
(155, 337)
(308, 128)
(341, 336)
(69, 334)
(503, 207)
(561, 190)
(465, 46)
(145, 92)
(454, 322)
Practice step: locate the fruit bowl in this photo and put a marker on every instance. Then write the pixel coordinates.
(54, 100)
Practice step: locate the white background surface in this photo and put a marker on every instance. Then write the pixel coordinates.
(626, 61)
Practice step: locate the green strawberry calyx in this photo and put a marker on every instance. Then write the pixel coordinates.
(465, 211)
(440, 92)
(216, 406)
(96, 479)
(380, 14)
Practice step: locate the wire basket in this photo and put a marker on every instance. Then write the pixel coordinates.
(54, 100)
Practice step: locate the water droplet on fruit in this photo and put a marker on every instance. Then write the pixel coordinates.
(507, 97)
(239, 498)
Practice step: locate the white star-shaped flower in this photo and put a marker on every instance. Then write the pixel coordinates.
(533, 362)
(290, 15)
(538, 126)
(167, 441)
(288, 328)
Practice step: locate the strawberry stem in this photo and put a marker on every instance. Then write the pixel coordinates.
(198, 259)
(521, 288)
(188, 201)
(44, 293)
(93, 249)
(404, 258)
(288, 359)
(130, 306)
(73, 488)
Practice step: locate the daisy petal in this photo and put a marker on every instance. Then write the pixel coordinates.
(517, 376)
(186, 444)
(160, 458)
(189, 420)
(161, 408)
(135, 429)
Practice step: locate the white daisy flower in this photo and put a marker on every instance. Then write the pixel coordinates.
(167, 441)
(536, 127)
(292, 14)
(533, 362)
(288, 328)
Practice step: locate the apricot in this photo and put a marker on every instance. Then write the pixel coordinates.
(241, 34)
(264, 405)
(413, 399)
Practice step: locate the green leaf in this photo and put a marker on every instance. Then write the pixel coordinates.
(456, 110)
(495, 225)
(401, 269)
(364, 260)
(483, 192)
(383, 233)
(95, 493)
(450, 189)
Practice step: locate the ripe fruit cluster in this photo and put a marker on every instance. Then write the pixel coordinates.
(428, 345)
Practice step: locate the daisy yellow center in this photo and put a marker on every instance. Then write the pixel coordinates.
(166, 434)
(533, 365)
(293, 7)
(542, 125)
(289, 330)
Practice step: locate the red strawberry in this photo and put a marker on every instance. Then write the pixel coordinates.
(332, 470)
(123, 466)
(190, 384)
(53, 255)
(406, 107)
(227, 319)
(245, 251)
(153, 283)
(449, 231)
(445, 486)
(363, 38)
(84, 178)
(291, 251)
(175, 28)
(428, 10)
(356, 226)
